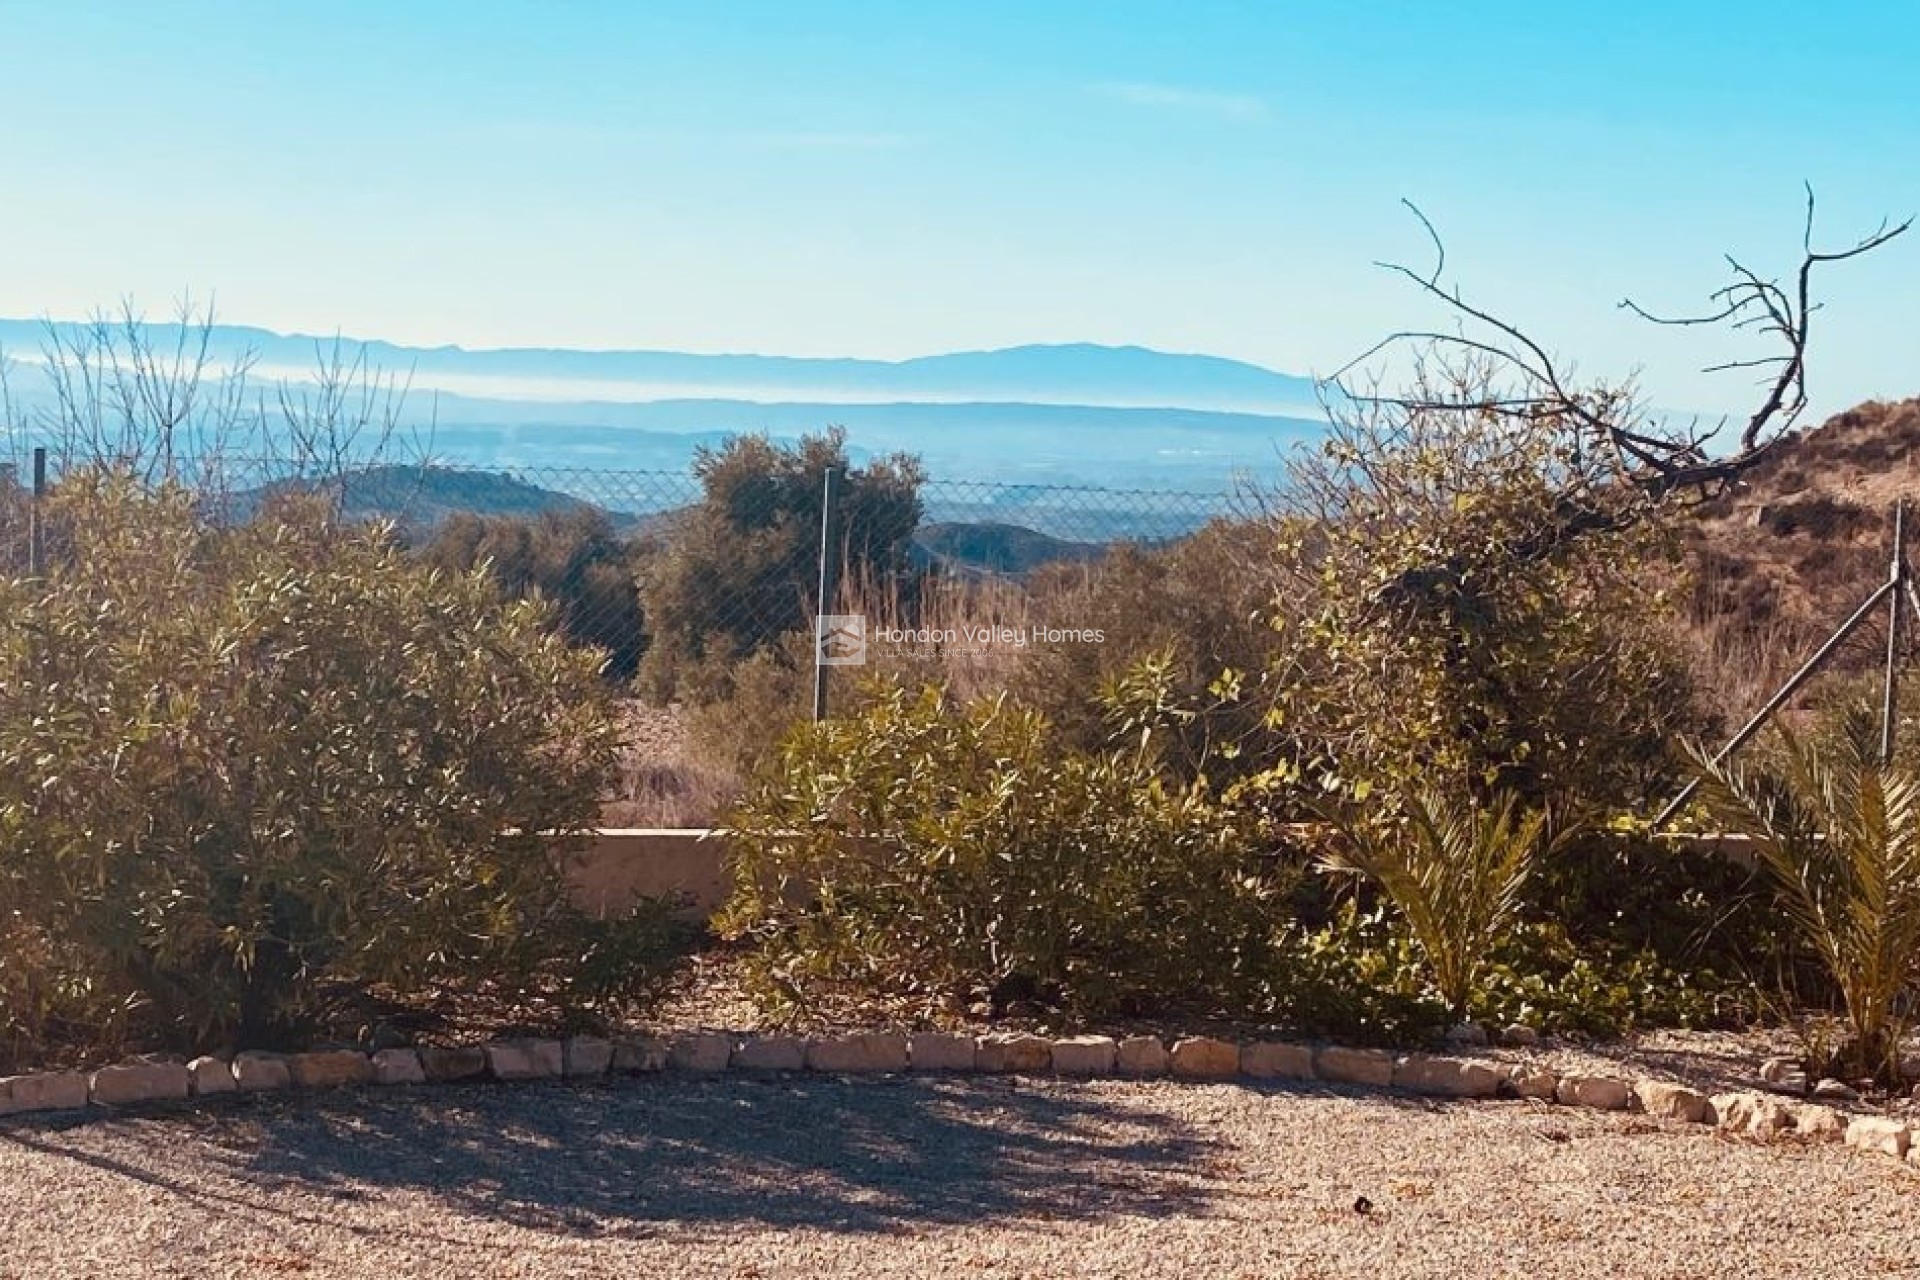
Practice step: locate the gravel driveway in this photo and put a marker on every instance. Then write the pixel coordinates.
(674, 1176)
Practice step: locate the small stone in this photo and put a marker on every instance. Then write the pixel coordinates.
(1529, 1082)
(131, 1082)
(329, 1068)
(254, 1071)
(1597, 1093)
(1020, 1053)
(461, 1062)
(585, 1057)
(770, 1053)
(1276, 1060)
(1354, 1066)
(1141, 1057)
(1879, 1133)
(1832, 1090)
(1816, 1123)
(940, 1051)
(397, 1066)
(703, 1052)
(1204, 1058)
(1668, 1101)
(208, 1076)
(46, 1091)
(865, 1051)
(1753, 1114)
(1445, 1077)
(1467, 1035)
(1519, 1036)
(525, 1059)
(1085, 1055)
(635, 1054)
(1783, 1075)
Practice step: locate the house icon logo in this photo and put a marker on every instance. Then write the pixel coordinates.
(840, 639)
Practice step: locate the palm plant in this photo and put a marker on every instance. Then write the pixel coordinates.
(1453, 869)
(1838, 829)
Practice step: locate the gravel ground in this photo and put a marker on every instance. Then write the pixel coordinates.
(926, 1177)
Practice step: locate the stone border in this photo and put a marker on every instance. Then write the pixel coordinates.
(1194, 1058)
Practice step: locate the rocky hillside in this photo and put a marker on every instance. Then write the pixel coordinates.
(1783, 560)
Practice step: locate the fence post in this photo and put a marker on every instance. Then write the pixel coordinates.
(829, 583)
(36, 534)
(1889, 691)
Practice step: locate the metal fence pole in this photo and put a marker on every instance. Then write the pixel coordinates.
(36, 533)
(1889, 692)
(829, 583)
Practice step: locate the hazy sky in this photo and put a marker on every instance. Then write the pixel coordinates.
(896, 179)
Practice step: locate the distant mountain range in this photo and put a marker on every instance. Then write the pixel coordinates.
(1064, 414)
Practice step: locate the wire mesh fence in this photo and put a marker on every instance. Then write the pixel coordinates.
(630, 558)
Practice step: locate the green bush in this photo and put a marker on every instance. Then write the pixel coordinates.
(245, 769)
(572, 559)
(951, 854)
(1194, 616)
(739, 570)
(1440, 620)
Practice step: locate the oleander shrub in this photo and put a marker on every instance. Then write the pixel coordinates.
(951, 854)
(244, 769)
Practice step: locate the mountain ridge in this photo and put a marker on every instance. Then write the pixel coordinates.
(1068, 372)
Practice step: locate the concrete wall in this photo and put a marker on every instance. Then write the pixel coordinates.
(618, 867)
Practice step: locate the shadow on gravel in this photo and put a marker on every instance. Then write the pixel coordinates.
(635, 1158)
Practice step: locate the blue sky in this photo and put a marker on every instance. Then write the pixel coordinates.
(896, 179)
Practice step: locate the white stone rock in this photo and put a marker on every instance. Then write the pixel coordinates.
(1531, 1082)
(1817, 1123)
(940, 1051)
(329, 1068)
(1016, 1053)
(132, 1082)
(1832, 1090)
(1668, 1101)
(1883, 1134)
(635, 1054)
(770, 1053)
(1445, 1077)
(525, 1059)
(209, 1076)
(1753, 1114)
(254, 1071)
(1142, 1057)
(1598, 1093)
(861, 1052)
(398, 1066)
(461, 1062)
(1276, 1060)
(586, 1057)
(1204, 1058)
(43, 1091)
(702, 1052)
(1085, 1055)
(1354, 1066)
